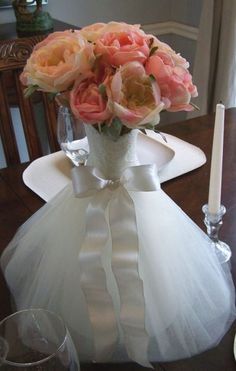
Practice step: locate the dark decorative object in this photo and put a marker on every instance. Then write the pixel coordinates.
(4, 4)
(31, 22)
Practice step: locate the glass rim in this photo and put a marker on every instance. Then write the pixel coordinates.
(64, 110)
(28, 364)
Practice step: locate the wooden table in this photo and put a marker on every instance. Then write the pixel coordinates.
(190, 191)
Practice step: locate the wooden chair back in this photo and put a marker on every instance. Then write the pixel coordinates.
(13, 56)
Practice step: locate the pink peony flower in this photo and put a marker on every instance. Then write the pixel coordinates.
(134, 97)
(57, 61)
(175, 81)
(122, 44)
(88, 102)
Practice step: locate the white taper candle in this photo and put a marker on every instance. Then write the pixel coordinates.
(214, 198)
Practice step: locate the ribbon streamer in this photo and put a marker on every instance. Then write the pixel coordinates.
(114, 197)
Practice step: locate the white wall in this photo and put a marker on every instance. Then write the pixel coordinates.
(83, 12)
(186, 11)
(6, 16)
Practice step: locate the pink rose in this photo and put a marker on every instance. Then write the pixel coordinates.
(135, 97)
(175, 81)
(122, 45)
(88, 102)
(56, 62)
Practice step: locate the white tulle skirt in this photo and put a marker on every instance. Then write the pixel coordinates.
(189, 297)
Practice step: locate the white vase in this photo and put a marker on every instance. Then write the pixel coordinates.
(109, 156)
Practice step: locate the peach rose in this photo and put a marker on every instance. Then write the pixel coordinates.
(122, 27)
(175, 81)
(57, 61)
(97, 30)
(88, 102)
(135, 98)
(122, 44)
(93, 32)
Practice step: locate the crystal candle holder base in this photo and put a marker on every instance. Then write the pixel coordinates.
(213, 222)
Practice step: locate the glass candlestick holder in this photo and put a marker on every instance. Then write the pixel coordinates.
(213, 222)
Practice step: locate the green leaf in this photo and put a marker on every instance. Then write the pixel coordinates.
(147, 126)
(51, 96)
(152, 77)
(102, 90)
(114, 130)
(153, 50)
(30, 90)
(151, 41)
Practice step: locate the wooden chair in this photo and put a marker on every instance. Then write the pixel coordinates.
(13, 56)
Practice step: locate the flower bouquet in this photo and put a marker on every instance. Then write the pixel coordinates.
(113, 76)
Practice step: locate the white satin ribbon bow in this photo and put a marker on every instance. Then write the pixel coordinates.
(110, 216)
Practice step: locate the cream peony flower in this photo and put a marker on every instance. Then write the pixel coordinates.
(57, 61)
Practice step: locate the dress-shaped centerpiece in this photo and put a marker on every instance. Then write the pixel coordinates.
(129, 272)
(145, 286)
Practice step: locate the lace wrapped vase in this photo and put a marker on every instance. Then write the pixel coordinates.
(109, 156)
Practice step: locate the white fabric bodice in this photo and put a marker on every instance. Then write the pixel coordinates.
(111, 157)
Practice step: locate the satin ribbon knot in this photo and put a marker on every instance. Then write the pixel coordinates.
(113, 184)
(111, 217)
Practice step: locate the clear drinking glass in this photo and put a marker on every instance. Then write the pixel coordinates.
(70, 134)
(36, 340)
